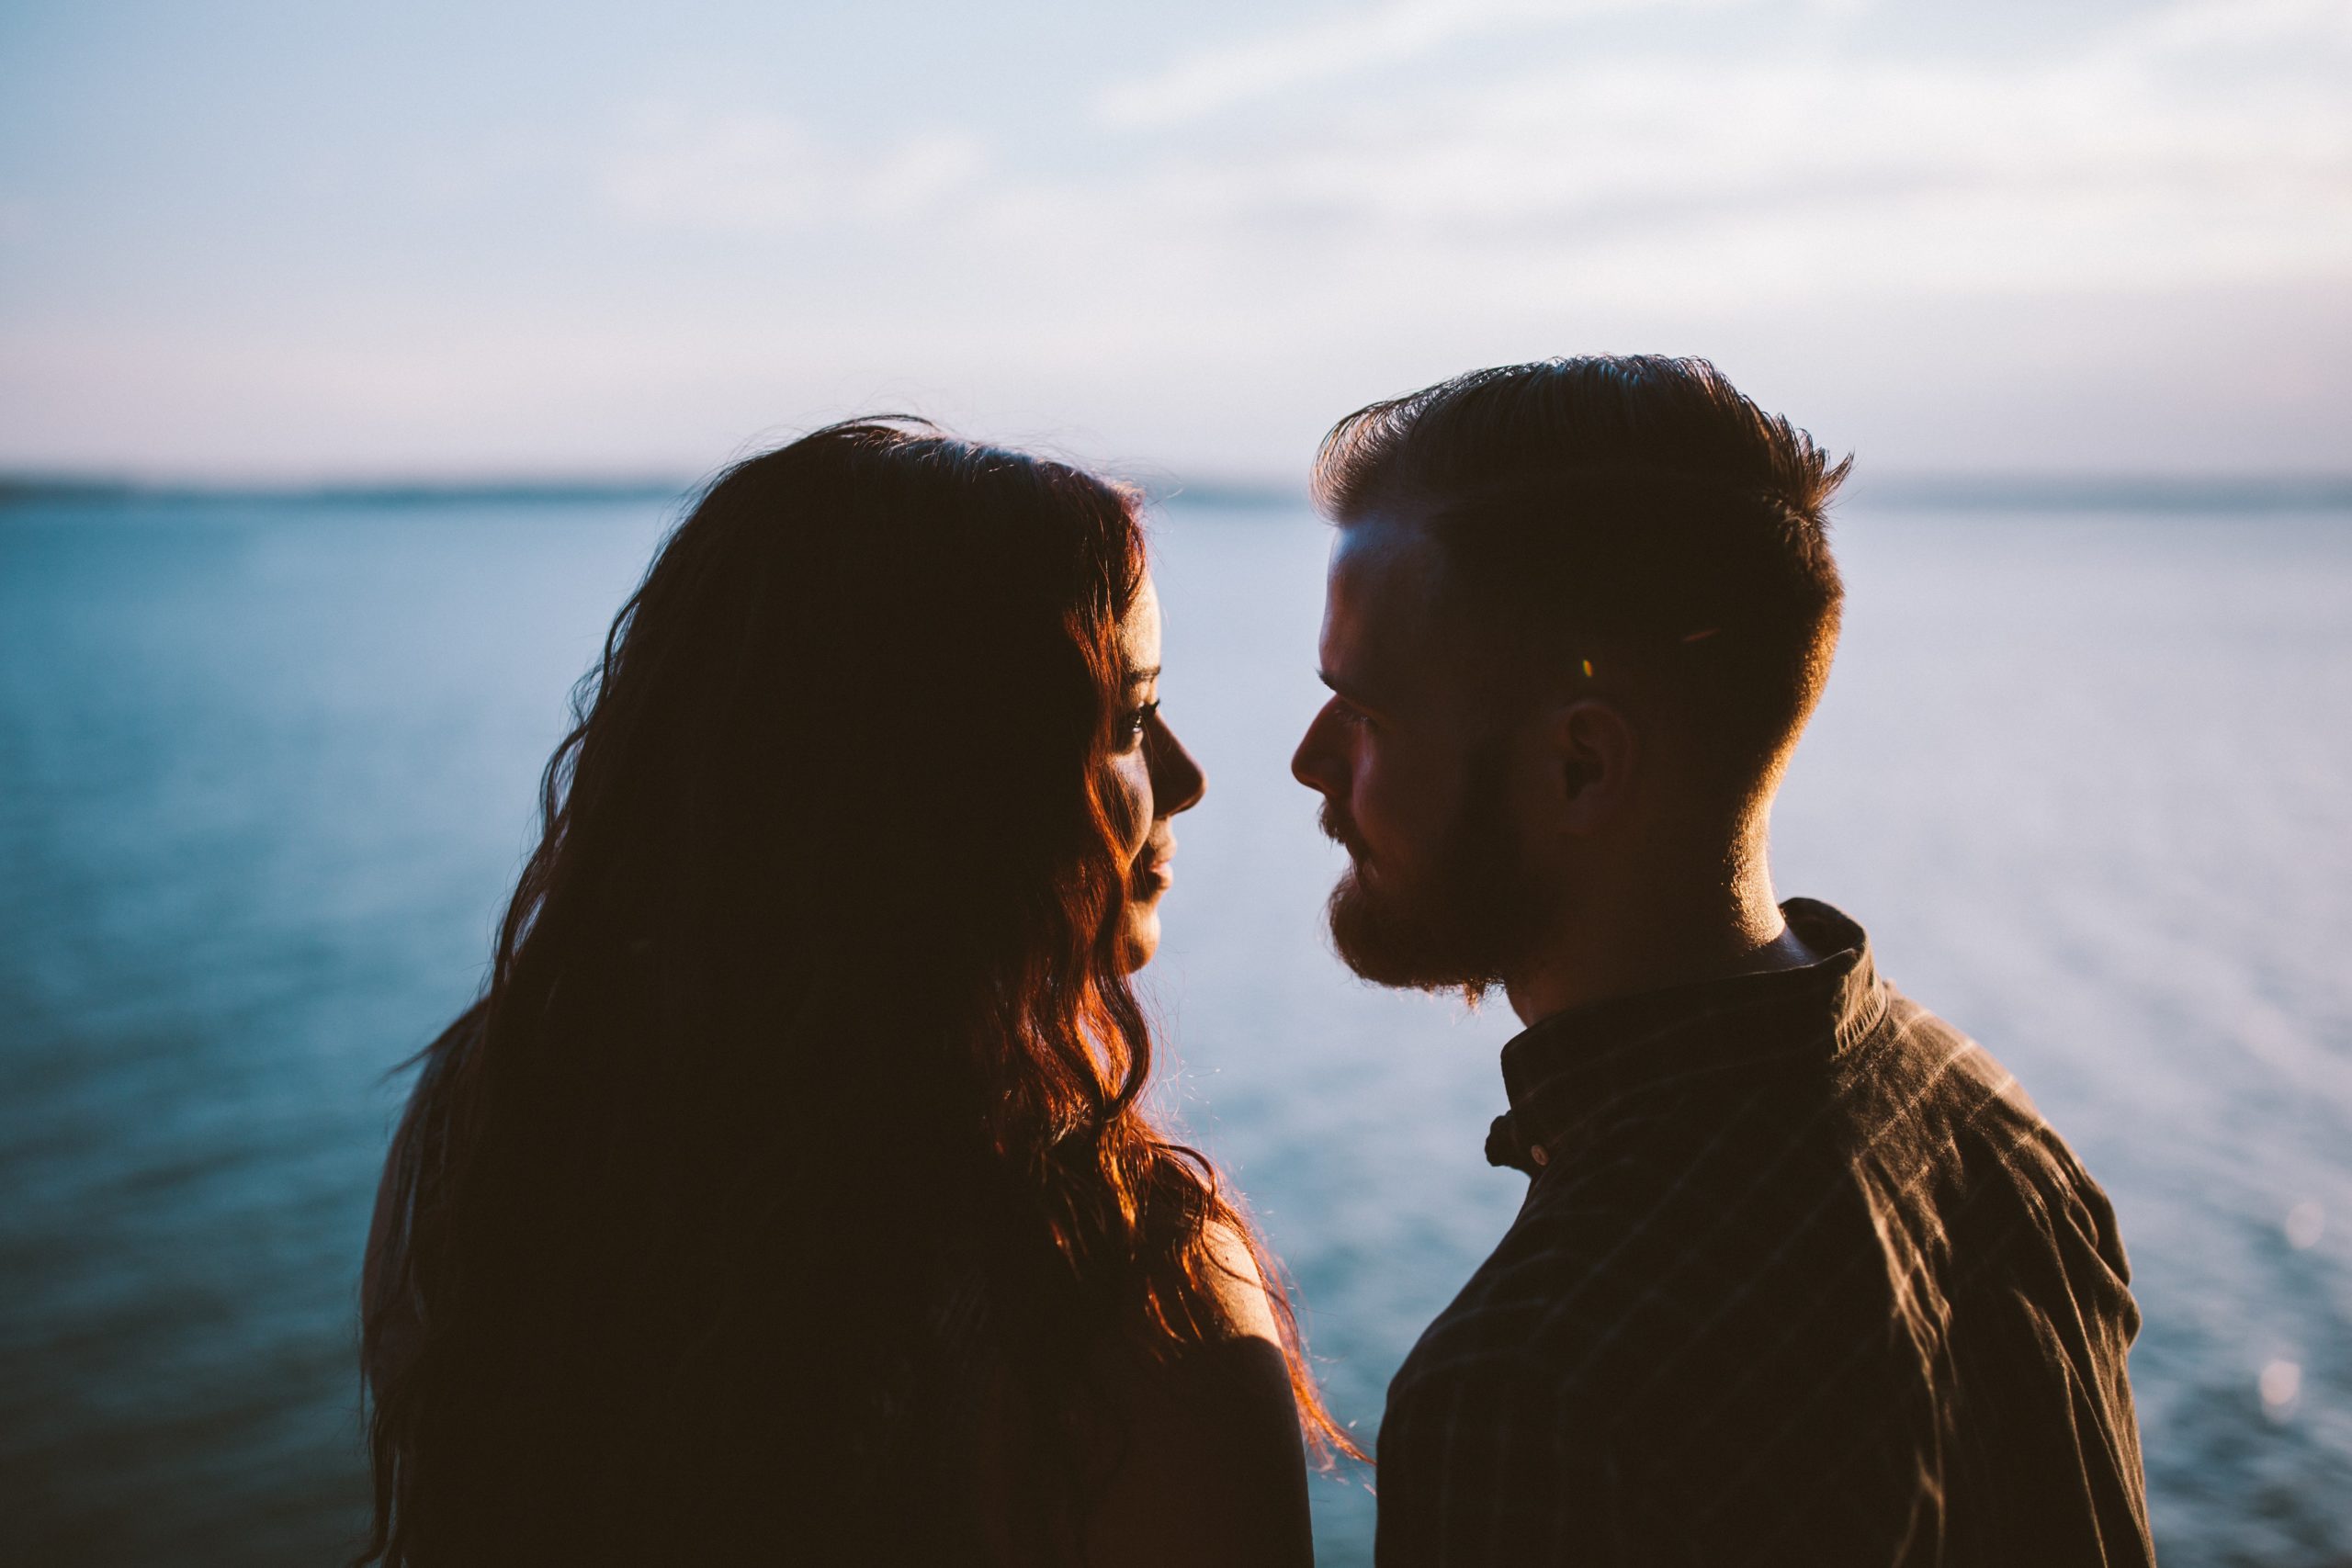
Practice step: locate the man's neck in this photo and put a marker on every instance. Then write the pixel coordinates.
(1622, 950)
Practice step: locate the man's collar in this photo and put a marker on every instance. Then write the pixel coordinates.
(1572, 1065)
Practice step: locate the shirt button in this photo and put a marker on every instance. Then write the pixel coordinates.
(1539, 1153)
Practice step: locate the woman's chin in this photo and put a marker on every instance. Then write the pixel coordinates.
(1141, 938)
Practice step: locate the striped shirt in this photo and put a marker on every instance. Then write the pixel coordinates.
(1801, 1277)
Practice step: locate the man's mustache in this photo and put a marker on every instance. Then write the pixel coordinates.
(1339, 828)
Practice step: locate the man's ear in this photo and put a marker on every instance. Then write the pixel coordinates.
(1590, 752)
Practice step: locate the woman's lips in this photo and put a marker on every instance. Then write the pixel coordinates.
(1156, 866)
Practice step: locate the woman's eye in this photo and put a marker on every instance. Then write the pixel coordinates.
(1138, 720)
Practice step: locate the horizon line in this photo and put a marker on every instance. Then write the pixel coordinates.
(2083, 489)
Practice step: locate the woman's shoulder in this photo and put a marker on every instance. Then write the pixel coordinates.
(1214, 1469)
(1236, 1286)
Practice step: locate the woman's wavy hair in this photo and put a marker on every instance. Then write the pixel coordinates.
(791, 1170)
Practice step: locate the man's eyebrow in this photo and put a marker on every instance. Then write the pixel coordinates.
(1143, 677)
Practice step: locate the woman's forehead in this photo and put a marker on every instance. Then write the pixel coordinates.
(1139, 629)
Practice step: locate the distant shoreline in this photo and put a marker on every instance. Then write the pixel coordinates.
(2058, 493)
(2107, 492)
(70, 489)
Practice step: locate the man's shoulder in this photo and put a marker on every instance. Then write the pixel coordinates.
(1688, 1222)
(1939, 1090)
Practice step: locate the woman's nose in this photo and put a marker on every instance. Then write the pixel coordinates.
(1177, 781)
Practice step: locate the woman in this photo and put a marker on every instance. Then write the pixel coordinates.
(786, 1198)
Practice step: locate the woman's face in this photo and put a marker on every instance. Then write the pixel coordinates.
(1152, 776)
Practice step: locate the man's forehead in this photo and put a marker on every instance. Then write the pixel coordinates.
(1384, 596)
(1388, 560)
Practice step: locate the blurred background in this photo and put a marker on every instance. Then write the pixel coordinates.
(354, 359)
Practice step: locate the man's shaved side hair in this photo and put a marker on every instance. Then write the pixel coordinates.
(1629, 515)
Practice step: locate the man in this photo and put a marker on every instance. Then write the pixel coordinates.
(1801, 1276)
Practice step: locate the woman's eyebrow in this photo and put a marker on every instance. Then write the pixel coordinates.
(1143, 677)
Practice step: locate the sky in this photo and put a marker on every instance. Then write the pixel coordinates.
(327, 240)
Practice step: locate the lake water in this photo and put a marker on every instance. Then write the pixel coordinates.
(265, 773)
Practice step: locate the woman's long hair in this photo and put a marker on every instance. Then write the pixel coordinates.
(792, 1156)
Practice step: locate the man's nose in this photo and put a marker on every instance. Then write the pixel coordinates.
(1315, 764)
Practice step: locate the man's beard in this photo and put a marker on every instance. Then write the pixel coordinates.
(1461, 927)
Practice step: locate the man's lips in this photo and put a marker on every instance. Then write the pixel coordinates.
(1340, 831)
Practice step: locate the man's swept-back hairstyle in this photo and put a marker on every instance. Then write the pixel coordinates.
(779, 1197)
(1634, 512)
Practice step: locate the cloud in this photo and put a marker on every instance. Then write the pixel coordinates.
(2227, 24)
(1336, 46)
(2201, 143)
(755, 171)
(2100, 197)
(2191, 146)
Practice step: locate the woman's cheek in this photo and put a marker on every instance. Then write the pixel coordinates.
(1131, 799)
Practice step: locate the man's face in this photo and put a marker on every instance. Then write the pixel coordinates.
(1413, 774)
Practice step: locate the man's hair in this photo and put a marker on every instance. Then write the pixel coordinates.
(1631, 512)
